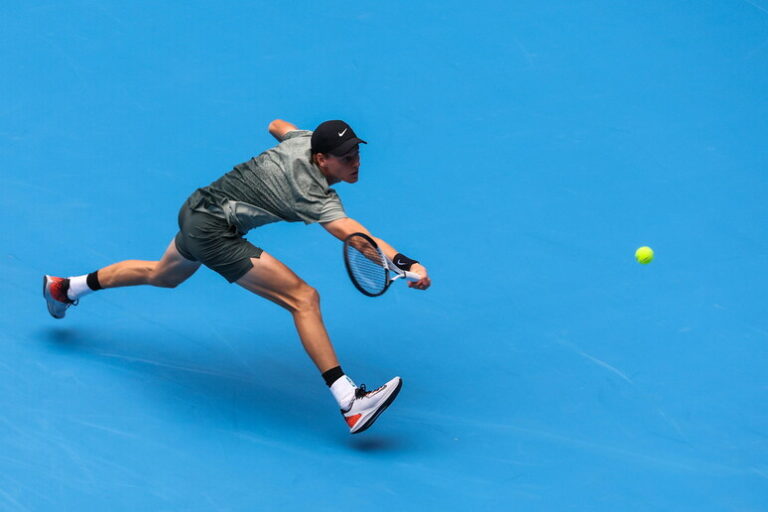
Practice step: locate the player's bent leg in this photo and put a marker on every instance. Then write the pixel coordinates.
(273, 280)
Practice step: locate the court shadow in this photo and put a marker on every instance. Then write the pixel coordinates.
(377, 444)
(278, 395)
(65, 338)
(216, 379)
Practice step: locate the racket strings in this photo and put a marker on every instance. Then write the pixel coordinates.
(366, 265)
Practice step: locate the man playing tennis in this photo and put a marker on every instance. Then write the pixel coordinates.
(288, 182)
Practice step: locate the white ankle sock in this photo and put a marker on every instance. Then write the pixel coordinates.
(78, 287)
(343, 391)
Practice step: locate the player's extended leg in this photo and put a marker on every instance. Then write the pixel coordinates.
(172, 270)
(273, 280)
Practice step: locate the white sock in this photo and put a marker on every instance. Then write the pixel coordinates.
(343, 391)
(78, 287)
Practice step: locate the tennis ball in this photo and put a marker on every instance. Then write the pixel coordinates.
(644, 255)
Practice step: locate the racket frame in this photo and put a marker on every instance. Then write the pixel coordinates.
(385, 267)
(388, 267)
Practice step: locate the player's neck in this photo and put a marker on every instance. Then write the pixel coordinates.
(330, 179)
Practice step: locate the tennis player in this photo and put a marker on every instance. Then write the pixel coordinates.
(289, 182)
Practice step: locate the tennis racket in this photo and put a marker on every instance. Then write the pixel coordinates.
(369, 269)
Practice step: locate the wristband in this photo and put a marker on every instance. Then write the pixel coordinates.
(403, 262)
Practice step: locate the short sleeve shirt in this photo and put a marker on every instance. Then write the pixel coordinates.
(280, 184)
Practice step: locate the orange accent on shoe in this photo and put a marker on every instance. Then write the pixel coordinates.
(57, 291)
(352, 420)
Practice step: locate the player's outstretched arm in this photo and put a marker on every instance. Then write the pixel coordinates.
(278, 128)
(342, 228)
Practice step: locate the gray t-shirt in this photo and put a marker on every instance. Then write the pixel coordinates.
(280, 184)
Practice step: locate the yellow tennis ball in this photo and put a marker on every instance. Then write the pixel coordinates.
(644, 255)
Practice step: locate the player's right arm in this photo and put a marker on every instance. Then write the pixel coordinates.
(342, 228)
(278, 128)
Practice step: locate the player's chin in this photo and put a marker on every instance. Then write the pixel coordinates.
(352, 178)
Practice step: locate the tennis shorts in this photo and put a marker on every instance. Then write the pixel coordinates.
(213, 242)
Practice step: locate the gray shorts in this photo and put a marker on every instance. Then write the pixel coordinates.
(213, 242)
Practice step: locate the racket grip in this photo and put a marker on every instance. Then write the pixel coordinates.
(412, 276)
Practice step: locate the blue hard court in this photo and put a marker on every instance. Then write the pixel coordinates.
(521, 150)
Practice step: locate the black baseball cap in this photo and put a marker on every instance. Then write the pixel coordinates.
(335, 138)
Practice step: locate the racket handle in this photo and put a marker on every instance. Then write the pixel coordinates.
(412, 276)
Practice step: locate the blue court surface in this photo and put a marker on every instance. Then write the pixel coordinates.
(521, 150)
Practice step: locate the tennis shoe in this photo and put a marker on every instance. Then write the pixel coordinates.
(368, 405)
(55, 293)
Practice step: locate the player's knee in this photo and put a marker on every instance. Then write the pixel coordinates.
(163, 281)
(307, 298)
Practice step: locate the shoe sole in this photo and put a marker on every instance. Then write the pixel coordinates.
(49, 299)
(389, 400)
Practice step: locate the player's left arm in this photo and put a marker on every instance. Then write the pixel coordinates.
(342, 228)
(278, 128)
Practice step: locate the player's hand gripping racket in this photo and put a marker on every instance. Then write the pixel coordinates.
(368, 267)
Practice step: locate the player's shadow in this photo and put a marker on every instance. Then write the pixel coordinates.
(262, 396)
